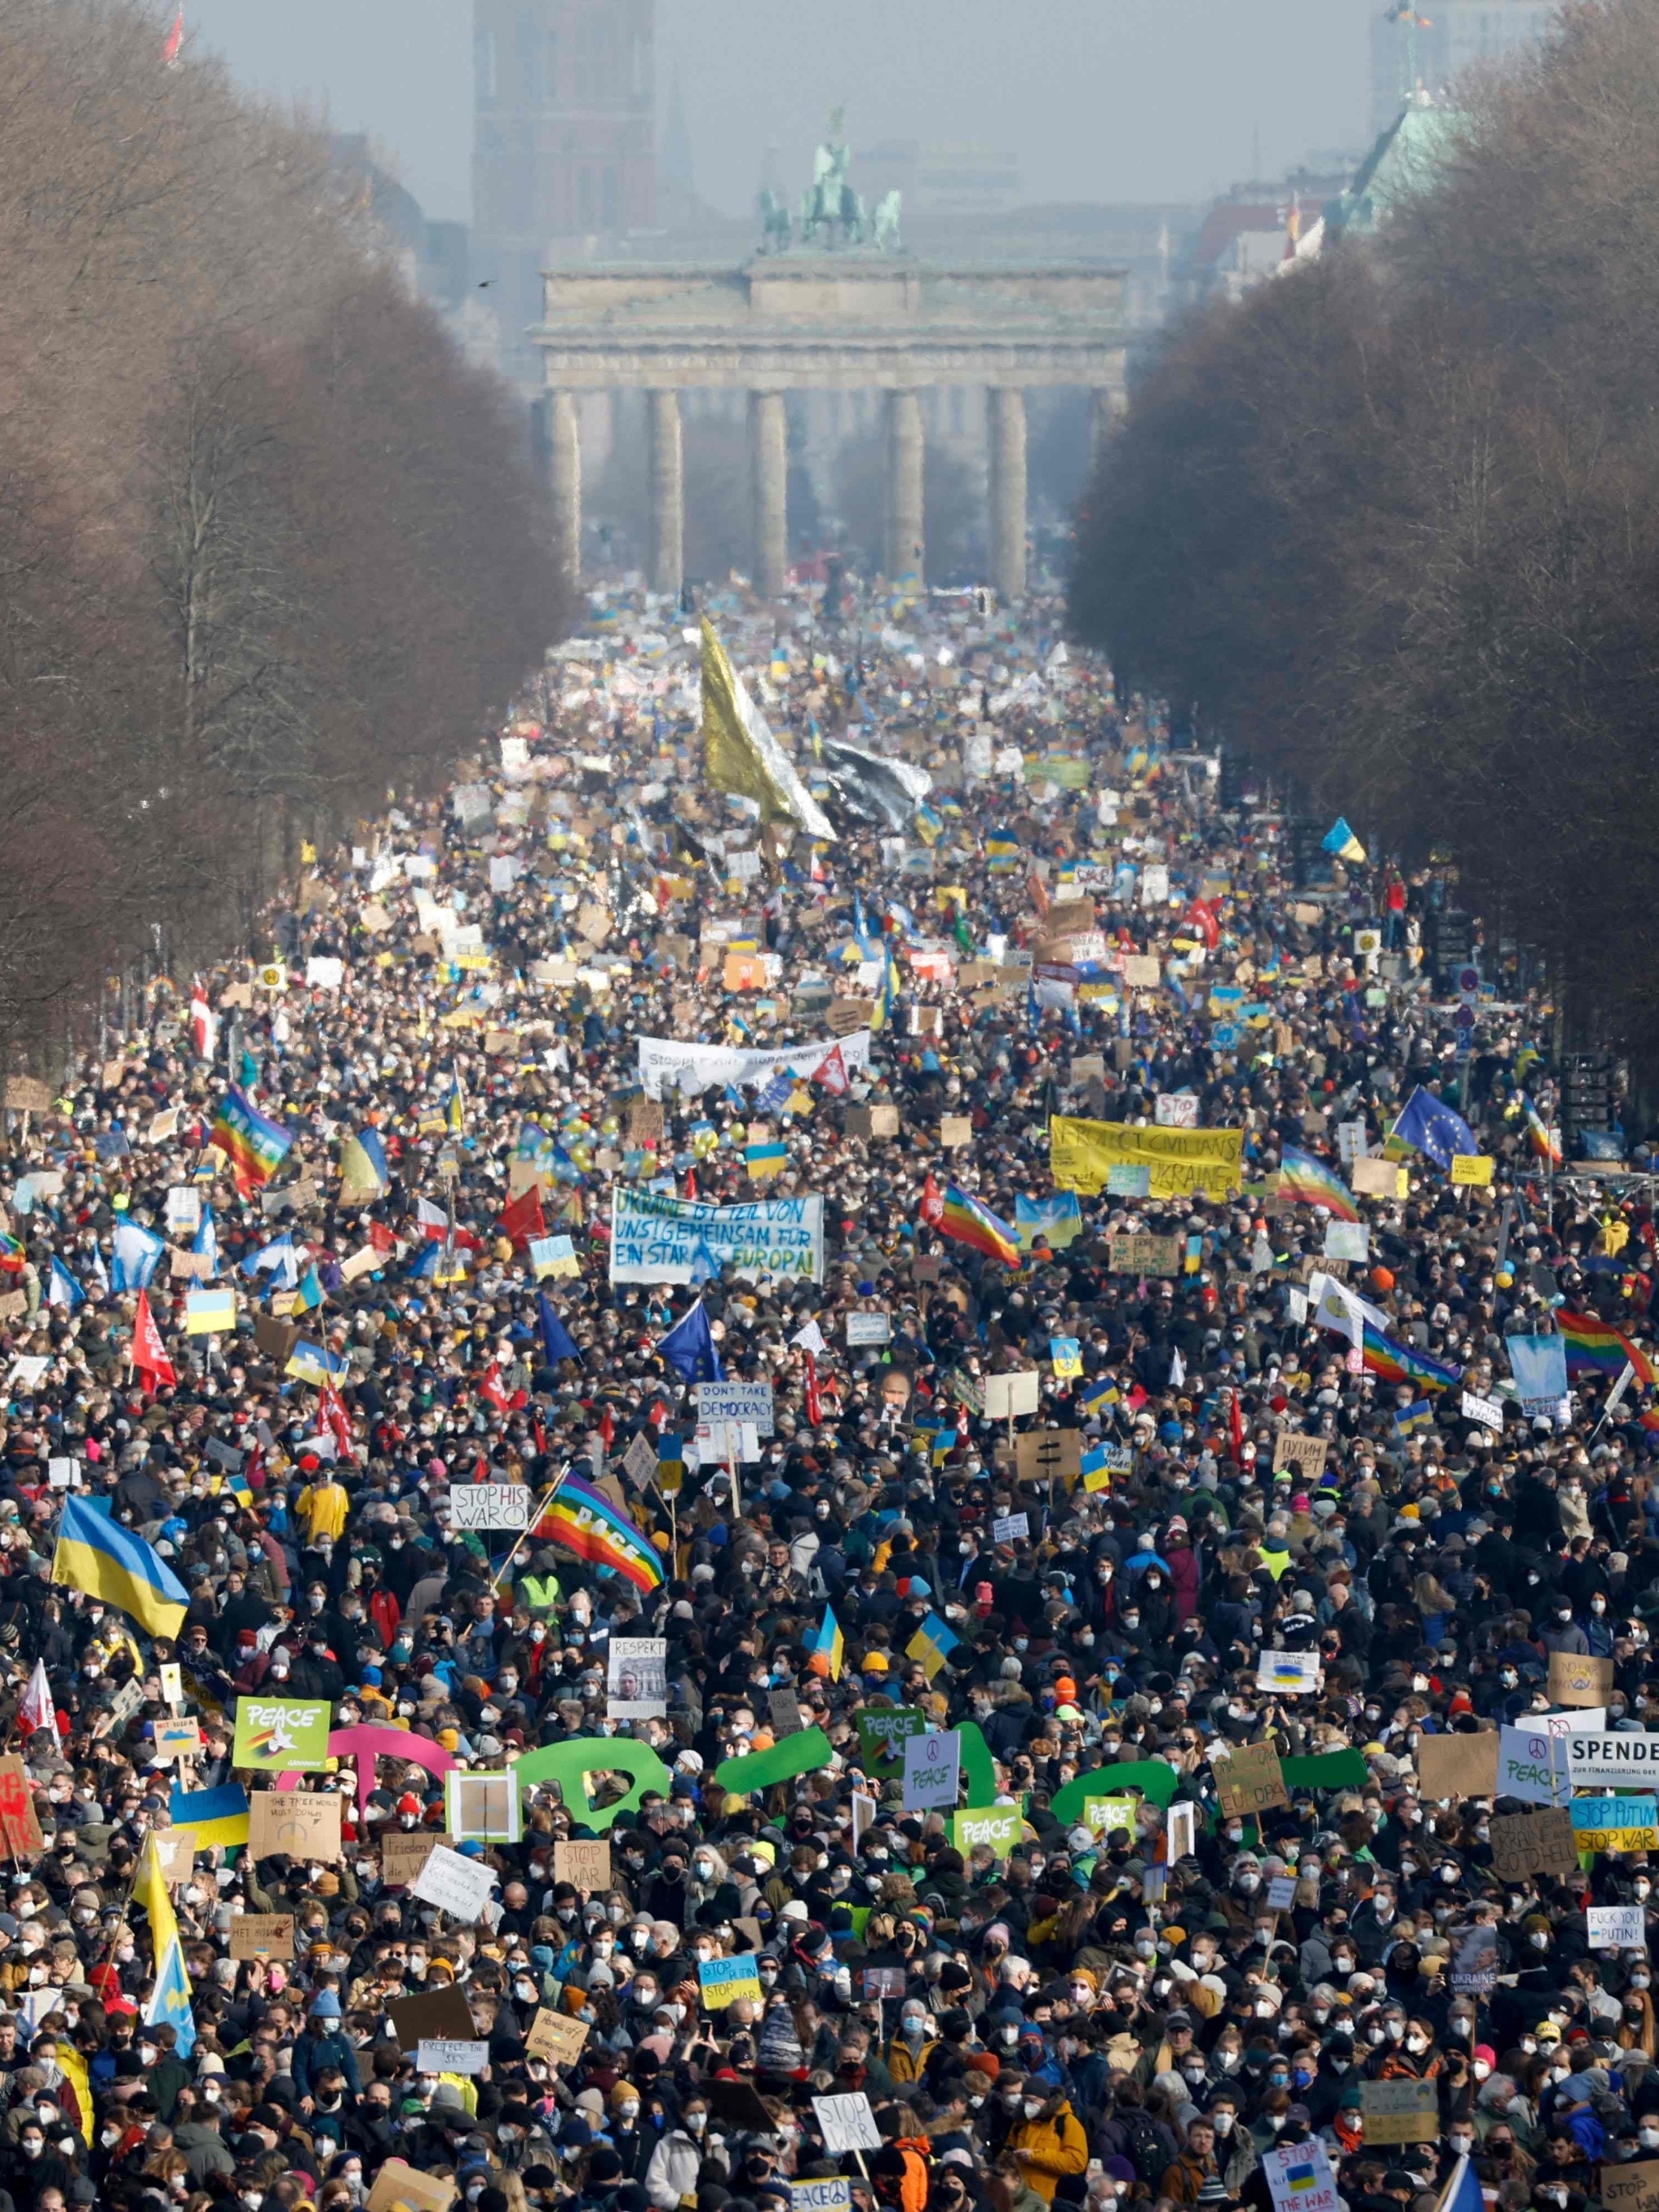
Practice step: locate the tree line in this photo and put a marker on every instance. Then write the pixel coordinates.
(1391, 523)
(269, 548)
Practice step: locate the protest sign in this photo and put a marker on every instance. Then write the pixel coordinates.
(262, 1936)
(1533, 1843)
(461, 1886)
(1008, 1396)
(882, 1734)
(846, 2124)
(1307, 1455)
(636, 1677)
(490, 1505)
(1457, 1765)
(1000, 1826)
(932, 1767)
(305, 1823)
(1615, 1824)
(1629, 2188)
(1048, 1455)
(431, 2016)
(1613, 1762)
(1251, 1781)
(1179, 1160)
(737, 1401)
(1399, 2111)
(833, 2193)
(484, 1807)
(1531, 1766)
(399, 2187)
(587, 1865)
(658, 1239)
(1289, 1673)
(20, 1825)
(555, 2036)
(664, 1063)
(1489, 1412)
(451, 2054)
(1145, 1255)
(1575, 1679)
(1299, 2178)
(402, 1856)
(1618, 1928)
(721, 1982)
(278, 1735)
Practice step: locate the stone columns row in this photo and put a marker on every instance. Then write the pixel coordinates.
(769, 450)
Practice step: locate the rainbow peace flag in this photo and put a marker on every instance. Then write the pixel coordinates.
(826, 1647)
(255, 1147)
(1595, 1346)
(585, 1522)
(1403, 1363)
(1308, 1181)
(969, 1222)
(13, 1257)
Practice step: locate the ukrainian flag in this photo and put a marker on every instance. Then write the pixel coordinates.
(217, 1816)
(169, 2004)
(1340, 840)
(932, 1644)
(1098, 1396)
(310, 1363)
(106, 1560)
(823, 1653)
(1412, 1418)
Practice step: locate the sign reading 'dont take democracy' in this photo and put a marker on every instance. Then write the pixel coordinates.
(656, 1239)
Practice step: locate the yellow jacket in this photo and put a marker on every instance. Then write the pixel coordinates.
(1050, 2149)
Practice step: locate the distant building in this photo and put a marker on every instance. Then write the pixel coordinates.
(564, 151)
(1256, 229)
(949, 184)
(1447, 37)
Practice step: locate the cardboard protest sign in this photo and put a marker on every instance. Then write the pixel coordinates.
(1307, 1455)
(434, 2015)
(304, 1824)
(1048, 1455)
(262, 1936)
(402, 1856)
(556, 2037)
(1576, 1679)
(1457, 1765)
(585, 1864)
(1399, 2111)
(455, 1884)
(401, 2188)
(1533, 1843)
(1633, 2188)
(1251, 1781)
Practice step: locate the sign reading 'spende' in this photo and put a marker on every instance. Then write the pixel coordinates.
(1606, 1762)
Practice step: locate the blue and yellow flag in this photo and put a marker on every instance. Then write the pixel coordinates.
(169, 2004)
(824, 1651)
(216, 1816)
(99, 1556)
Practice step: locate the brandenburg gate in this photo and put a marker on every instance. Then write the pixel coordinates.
(822, 321)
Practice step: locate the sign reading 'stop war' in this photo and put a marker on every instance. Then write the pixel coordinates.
(658, 1239)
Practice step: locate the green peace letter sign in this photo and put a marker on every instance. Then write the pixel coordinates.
(568, 1764)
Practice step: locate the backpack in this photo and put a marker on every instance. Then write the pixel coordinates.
(1148, 2153)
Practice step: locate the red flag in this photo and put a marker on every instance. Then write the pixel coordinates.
(1236, 1429)
(204, 1024)
(1208, 927)
(490, 1388)
(148, 1358)
(37, 1710)
(814, 1403)
(607, 1430)
(522, 1218)
(175, 39)
(1039, 894)
(336, 1420)
(831, 1073)
(932, 1208)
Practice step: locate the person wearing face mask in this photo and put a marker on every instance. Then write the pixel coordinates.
(672, 2172)
(634, 2141)
(1047, 2142)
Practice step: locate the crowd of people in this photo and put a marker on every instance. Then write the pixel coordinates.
(1268, 1497)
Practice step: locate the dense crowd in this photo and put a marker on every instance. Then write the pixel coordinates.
(1272, 1491)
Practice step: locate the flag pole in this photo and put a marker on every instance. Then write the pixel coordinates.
(529, 1528)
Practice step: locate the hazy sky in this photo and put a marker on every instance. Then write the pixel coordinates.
(1112, 99)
